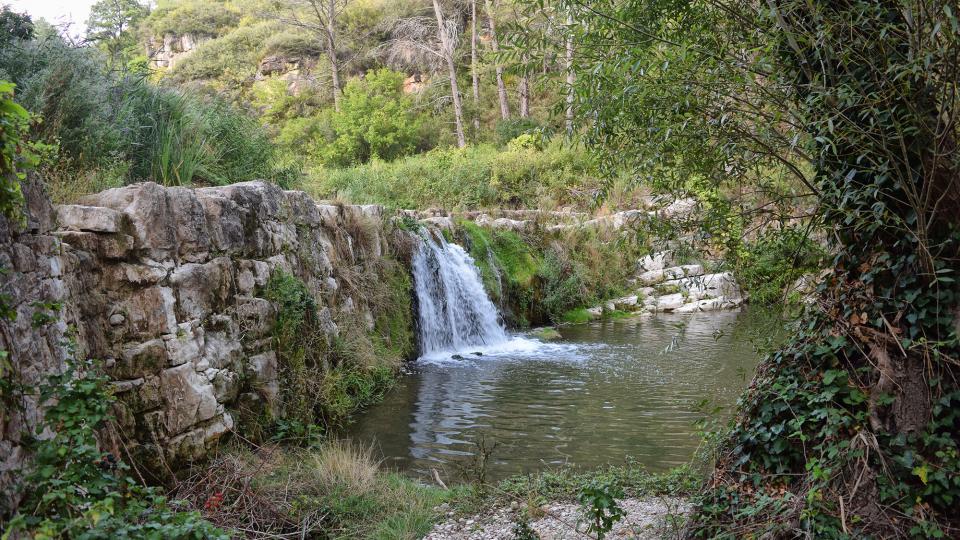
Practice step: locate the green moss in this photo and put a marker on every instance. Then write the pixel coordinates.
(617, 314)
(576, 316)
(546, 334)
(516, 257)
(323, 380)
(394, 337)
(480, 246)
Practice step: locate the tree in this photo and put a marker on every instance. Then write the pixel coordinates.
(447, 33)
(849, 429)
(14, 26)
(430, 43)
(110, 24)
(474, 71)
(523, 89)
(375, 120)
(571, 76)
(320, 18)
(498, 68)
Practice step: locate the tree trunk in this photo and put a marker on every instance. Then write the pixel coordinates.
(524, 90)
(452, 68)
(473, 65)
(495, 45)
(570, 77)
(332, 52)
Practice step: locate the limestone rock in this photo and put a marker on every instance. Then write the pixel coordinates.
(263, 375)
(189, 398)
(76, 217)
(140, 359)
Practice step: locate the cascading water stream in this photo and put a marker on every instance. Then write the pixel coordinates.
(455, 312)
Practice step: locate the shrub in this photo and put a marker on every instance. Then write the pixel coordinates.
(292, 42)
(113, 130)
(508, 130)
(474, 177)
(228, 60)
(775, 261)
(599, 503)
(16, 154)
(375, 120)
(180, 17)
(75, 490)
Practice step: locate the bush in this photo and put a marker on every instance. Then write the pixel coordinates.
(229, 60)
(292, 43)
(473, 177)
(775, 261)
(508, 130)
(181, 17)
(375, 120)
(113, 130)
(75, 490)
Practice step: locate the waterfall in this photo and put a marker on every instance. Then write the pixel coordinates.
(455, 312)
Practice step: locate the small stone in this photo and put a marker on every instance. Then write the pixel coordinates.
(117, 319)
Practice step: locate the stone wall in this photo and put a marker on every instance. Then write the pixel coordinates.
(164, 285)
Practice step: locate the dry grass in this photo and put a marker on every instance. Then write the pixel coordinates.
(346, 466)
(335, 491)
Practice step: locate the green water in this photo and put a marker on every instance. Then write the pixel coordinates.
(605, 392)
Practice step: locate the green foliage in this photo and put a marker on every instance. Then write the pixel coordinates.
(292, 43)
(523, 531)
(16, 154)
(375, 121)
(111, 24)
(508, 130)
(778, 257)
(543, 277)
(228, 61)
(565, 287)
(14, 26)
(630, 478)
(475, 177)
(110, 131)
(202, 17)
(184, 139)
(576, 316)
(598, 501)
(301, 346)
(75, 490)
(325, 378)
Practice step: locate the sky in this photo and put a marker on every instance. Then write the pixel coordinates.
(56, 12)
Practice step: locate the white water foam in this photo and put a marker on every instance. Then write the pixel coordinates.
(456, 317)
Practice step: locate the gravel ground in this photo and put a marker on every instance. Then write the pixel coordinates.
(649, 518)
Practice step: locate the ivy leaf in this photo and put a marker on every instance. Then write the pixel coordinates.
(921, 472)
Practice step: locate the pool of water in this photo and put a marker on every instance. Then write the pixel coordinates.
(606, 392)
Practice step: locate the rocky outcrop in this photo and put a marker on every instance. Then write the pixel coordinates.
(166, 51)
(668, 288)
(165, 287)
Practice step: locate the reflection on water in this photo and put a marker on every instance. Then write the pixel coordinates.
(608, 390)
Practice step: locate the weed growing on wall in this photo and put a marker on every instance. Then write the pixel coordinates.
(538, 276)
(327, 374)
(75, 489)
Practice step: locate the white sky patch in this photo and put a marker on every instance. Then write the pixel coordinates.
(56, 12)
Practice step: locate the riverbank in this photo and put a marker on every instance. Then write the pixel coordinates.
(339, 490)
